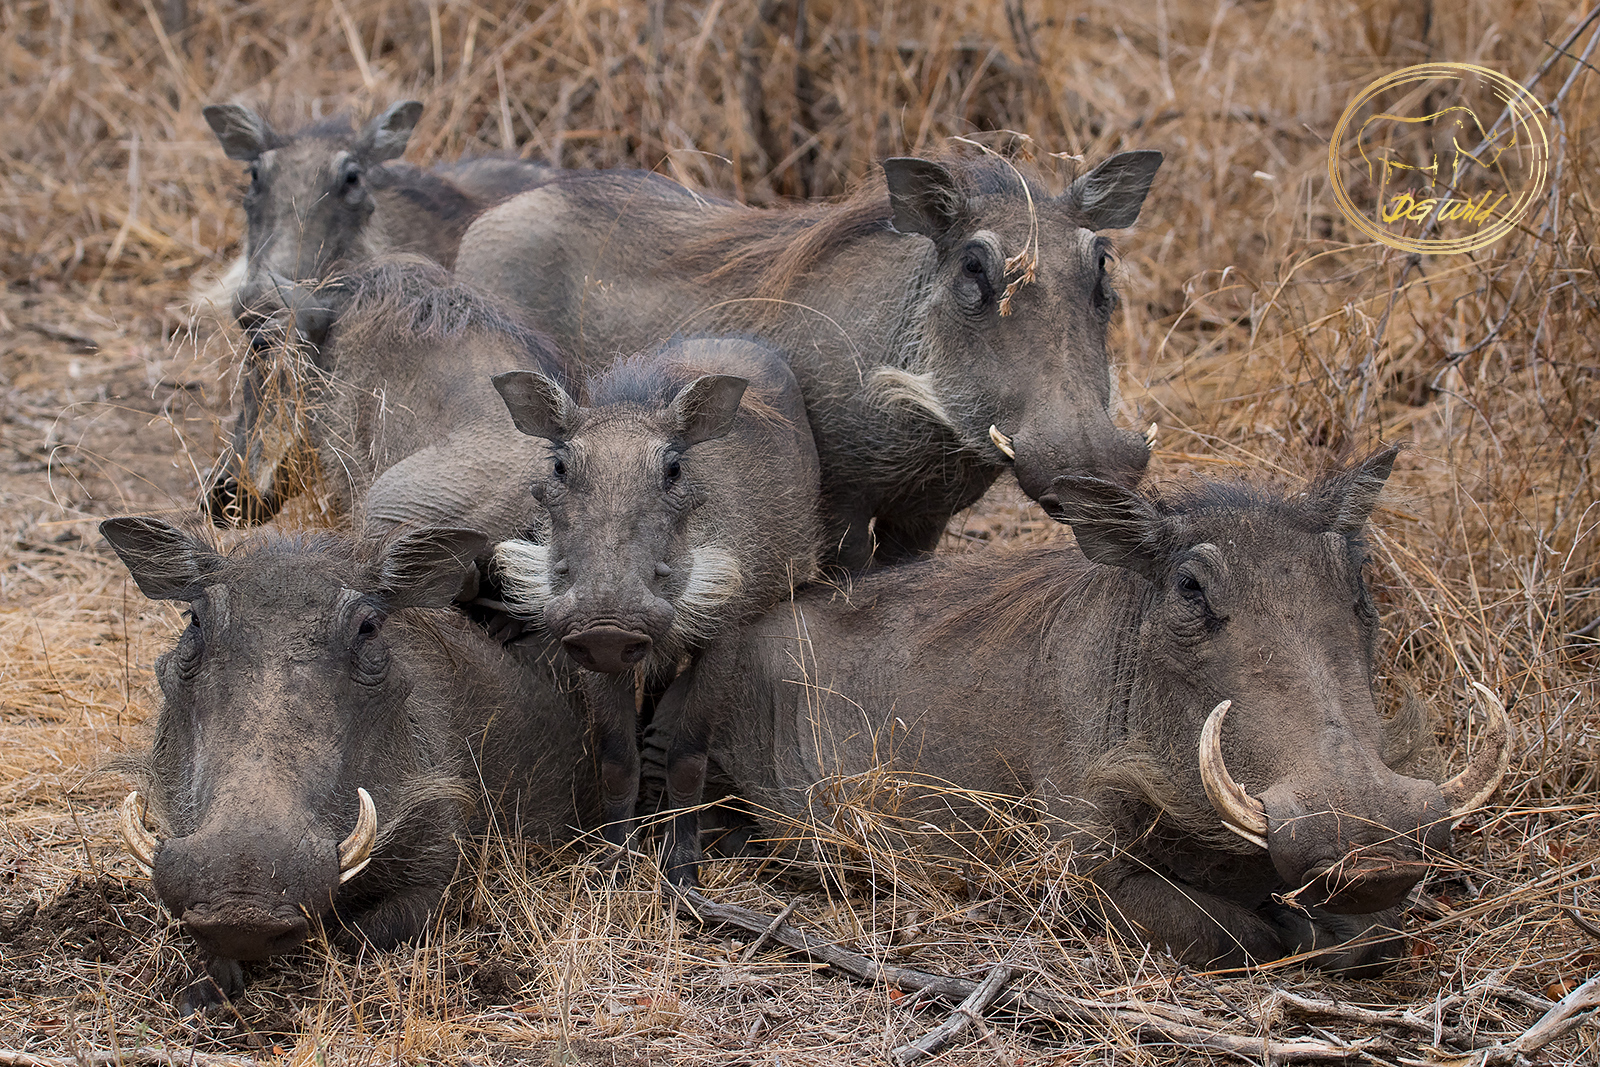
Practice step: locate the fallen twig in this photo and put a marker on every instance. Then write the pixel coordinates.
(1142, 1018)
(964, 1016)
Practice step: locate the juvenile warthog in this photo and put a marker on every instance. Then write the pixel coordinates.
(324, 734)
(328, 196)
(1101, 687)
(393, 416)
(682, 500)
(949, 299)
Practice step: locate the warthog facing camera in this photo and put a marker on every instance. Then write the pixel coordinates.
(324, 733)
(1225, 622)
(329, 196)
(682, 500)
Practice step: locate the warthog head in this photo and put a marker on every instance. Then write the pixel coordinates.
(309, 202)
(1258, 643)
(1013, 333)
(289, 755)
(621, 580)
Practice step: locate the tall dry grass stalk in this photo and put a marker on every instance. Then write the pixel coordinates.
(1256, 331)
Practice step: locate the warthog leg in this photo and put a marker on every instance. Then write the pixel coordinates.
(614, 714)
(1200, 928)
(686, 780)
(222, 980)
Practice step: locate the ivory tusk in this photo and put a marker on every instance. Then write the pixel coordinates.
(1002, 442)
(1241, 812)
(1467, 791)
(1150, 438)
(141, 843)
(355, 851)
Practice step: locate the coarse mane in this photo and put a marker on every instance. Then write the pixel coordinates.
(651, 379)
(767, 251)
(413, 299)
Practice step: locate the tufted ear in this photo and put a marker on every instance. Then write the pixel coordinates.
(166, 563)
(538, 405)
(706, 408)
(429, 568)
(1112, 525)
(243, 133)
(1344, 499)
(385, 136)
(1112, 194)
(923, 195)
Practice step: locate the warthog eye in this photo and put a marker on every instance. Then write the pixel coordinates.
(559, 469)
(1190, 586)
(673, 470)
(367, 628)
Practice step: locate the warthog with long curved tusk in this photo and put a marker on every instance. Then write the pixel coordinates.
(324, 734)
(682, 500)
(943, 298)
(1108, 682)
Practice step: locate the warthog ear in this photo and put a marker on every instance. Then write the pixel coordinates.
(538, 405)
(1344, 499)
(923, 195)
(385, 136)
(1112, 194)
(430, 568)
(705, 408)
(243, 133)
(1112, 525)
(166, 563)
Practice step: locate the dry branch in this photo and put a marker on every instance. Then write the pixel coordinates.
(1130, 1015)
(966, 1013)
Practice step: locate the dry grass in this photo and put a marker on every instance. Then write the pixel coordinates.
(1253, 331)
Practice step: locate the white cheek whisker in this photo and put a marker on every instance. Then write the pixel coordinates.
(523, 569)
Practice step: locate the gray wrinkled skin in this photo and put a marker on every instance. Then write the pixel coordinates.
(1081, 685)
(313, 666)
(392, 416)
(888, 308)
(330, 196)
(682, 500)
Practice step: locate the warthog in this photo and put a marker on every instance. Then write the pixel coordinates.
(393, 417)
(324, 734)
(682, 500)
(328, 196)
(1097, 682)
(950, 299)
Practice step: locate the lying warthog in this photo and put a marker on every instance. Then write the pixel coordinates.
(1101, 688)
(328, 196)
(393, 416)
(324, 734)
(682, 500)
(958, 297)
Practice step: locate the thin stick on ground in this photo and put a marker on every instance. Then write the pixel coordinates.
(967, 1012)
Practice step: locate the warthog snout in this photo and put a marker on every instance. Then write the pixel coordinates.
(237, 906)
(245, 930)
(1120, 456)
(608, 649)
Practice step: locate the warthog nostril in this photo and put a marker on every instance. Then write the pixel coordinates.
(1360, 885)
(607, 648)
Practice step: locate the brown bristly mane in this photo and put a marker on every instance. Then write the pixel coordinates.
(769, 250)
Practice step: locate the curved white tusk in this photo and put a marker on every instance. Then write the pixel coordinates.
(1150, 438)
(141, 843)
(355, 851)
(1002, 442)
(1241, 812)
(1467, 791)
